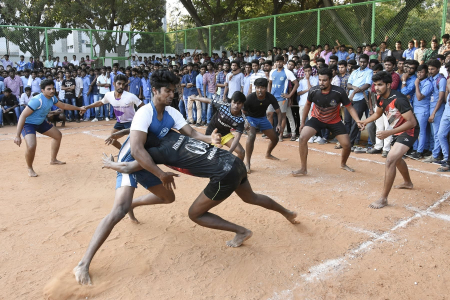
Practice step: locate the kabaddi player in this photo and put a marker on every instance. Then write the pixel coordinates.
(32, 119)
(325, 114)
(255, 108)
(405, 132)
(123, 103)
(158, 118)
(228, 116)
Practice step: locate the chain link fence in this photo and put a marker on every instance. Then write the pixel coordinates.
(351, 24)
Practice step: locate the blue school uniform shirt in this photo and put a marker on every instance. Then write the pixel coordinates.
(135, 85)
(86, 84)
(36, 85)
(146, 87)
(199, 84)
(190, 78)
(438, 83)
(423, 106)
(410, 88)
(40, 105)
(342, 55)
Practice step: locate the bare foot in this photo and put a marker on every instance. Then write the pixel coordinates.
(82, 275)
(247, 166)
(239, 239)
(404, 185)
(347, 168)
(132, 217)
(379, 203)
(57, 162)
(31, 173)
(280, 139)
(291, 217)
(270, 156)
(299, 173)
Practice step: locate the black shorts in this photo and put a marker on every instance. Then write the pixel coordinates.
(405, 138)
(336, 128)
(120, 126)
(222, 189)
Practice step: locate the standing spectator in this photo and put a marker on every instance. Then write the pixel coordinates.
(146, 87)
(409, 78)
(103, 82)
(24, 99)
(188, 82)
(439, 84)
(14, 83)
(221, 77)
(444, 129)
(400, 66)
(48, 63)
(87, 99)
(309, 80)
(430, 53)
(409, 53)
(398, 52)
(74, 61)
(60, 93)
(65, 62)
(57, 63)
(135, 85)
(256, 73)
(30, 65)
(247, 74)
(419, 53)
(371, 51)
(201, 93)
(38, 65)
(89, 61)
(443, 46)
(93, 93)
(358, 83)
(234, 82)
(6, 62)
(384, 52)
(35, 83)
(78, 88)
(68, 86)
(343, 74)
(312, 55)
(209, 86)
(326, 53)
(21, 63)
(25, 77)
(341, 54)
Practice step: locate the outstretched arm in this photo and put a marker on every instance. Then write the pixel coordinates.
(66, 106)
(201, 99)
(214, 138)
(121, 167)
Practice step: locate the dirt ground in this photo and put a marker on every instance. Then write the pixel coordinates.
(341, 250)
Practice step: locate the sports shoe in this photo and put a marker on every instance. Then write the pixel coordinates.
(416, 155)
(374, 151)
(312, 139)
(106, 119)
(430, 159)
(427, 153)
(198, 124)
(360, 150)
(440, 162)
(94, 120)
(384, 154)
(320, 141)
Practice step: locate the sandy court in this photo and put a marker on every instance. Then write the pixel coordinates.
(341, 250)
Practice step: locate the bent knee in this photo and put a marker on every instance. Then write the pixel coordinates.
(170, 198)
(118, 213)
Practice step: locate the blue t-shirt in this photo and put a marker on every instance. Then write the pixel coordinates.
(86, 84)
(439, 84)
(135, 85)
(146, 87)
(40, 106)
(190, 78)
(423, 106)
(280, 80)
(199, 84)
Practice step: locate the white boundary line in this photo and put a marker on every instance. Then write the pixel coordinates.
(332, 266)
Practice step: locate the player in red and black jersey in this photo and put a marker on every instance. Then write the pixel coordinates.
(325, 114)
(405, 132)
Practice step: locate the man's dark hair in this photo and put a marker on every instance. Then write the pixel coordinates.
(374, 61)
(120, 77)
(163, 78)
(383, 76)
(308, 66)
(7, 90)
(390, 59)
(203, 66)
(354, 67)
(235, 62)
(342, 62)
(352, 62)
(116, 65)
(364, 56)
(306, 57)
(248, 64)
(320, 60)
(279, 57)
(415, 63)
(402, 59)
(255, 61)
(292, 61)
(334, 57)
(377, 67)
(261, 82)
(27, 88)
(45, 83)
(446, 36)
(238, 97)
(434, 63)
(423, 67)
(327, 72)
(268, 62)
(333, 67)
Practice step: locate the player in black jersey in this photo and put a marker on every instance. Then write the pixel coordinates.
(228, 115)
(227, 175)
(405, 132)
(325, 114)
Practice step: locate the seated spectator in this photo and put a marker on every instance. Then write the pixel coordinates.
(56, 114)
(10, 107)
(24, 99)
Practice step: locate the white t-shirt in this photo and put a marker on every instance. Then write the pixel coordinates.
(303, 86)
(24, 99)
(336, 81)
(144, 116)
(254, 76)
(123, 107)
(75, 62)
(102, 79)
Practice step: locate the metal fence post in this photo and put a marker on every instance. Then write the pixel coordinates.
(92, 44)
(164, 44)
(185, 41)
(239, 36)
(46, 43)
(444, 18)
(129, 43)
(210, 41)
(318, 27)
(372, 38)
(274, 31)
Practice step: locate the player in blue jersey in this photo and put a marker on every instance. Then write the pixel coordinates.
(33, 119)
(157, 118)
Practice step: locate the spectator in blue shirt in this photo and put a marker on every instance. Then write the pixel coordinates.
(351, 54)
(421, 105)
(30, 65)
(409, 78)
(359, 81)
(113, 74)
(409, 53)
(188, 83)
(341, 53)
(21, 63)
(87, 99)
(146, 87)
(439, 84)
(201, 93)
(135, 85)
(221, 77)
(25, 76)
(35, 83)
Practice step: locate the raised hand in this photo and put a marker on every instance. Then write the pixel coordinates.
(168, 181)
(216, 138)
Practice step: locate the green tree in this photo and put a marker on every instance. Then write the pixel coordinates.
(36, 13)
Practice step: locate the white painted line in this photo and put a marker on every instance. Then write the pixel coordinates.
(430, 214)
(332, 266)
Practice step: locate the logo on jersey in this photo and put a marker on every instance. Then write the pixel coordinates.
(333, 102)
(178, 143)
(163, 132)
(281, 78)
